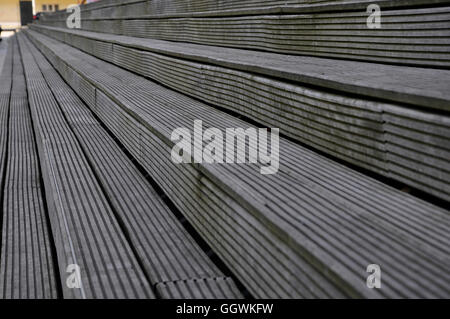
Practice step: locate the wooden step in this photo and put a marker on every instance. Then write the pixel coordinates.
(214, 8)
(327, 116)
(419, 37)
(308, 231)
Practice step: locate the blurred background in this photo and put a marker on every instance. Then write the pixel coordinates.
(14, 13)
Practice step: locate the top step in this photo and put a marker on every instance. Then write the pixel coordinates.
(121, 8)
(411, 35)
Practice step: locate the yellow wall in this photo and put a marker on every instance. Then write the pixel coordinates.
(9, 13)
(10, 10)
(63, 4)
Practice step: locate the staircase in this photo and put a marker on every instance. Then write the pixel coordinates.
(364, 171)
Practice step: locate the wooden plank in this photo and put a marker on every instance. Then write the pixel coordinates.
(86, 231)
(26, 268)
(355, 129)
(212, 8)
(418, 145)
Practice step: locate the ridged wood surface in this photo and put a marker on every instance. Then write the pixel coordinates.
(314, 215)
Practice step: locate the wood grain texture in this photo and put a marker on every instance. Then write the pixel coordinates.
(26, 261)
(166, 250)
(86, 231)
(357, 129)
(413, 36)
(309, 231)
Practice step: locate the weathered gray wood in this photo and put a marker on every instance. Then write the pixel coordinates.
(5, 93)
(26, 267)
(167, 252)
(418, 86)
(418, 145)
(213, 8)
(263, 263)
(3, 53)
(415, 37)
(355, 129)
(314, 214)
(86, 231)
(326, 29)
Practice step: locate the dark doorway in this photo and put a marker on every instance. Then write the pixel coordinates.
(26, 12)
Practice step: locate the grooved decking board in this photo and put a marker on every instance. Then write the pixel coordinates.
(5, 93)
(85, 228)
(416, 36)
(263, 263)
(302, 232)
(26, 267)
(208, 8)
(166, 250)
(418, 148)
(426, 88)
(357, 130)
